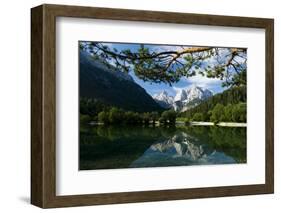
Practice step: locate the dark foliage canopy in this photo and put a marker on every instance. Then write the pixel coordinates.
(168, 66)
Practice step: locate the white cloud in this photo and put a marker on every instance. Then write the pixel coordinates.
(110, 45)
(178, 88)
(160, 48)
(202, 81)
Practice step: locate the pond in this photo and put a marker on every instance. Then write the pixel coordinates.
(112, 147)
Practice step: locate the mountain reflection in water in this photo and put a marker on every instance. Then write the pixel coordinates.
(179, 150)
(136, 147)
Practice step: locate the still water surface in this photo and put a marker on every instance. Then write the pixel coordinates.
(114, 147)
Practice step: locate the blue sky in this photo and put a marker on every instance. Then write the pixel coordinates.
(154, 88)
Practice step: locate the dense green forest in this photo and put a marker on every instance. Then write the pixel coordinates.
(228, 106)
(92, 107)
(220, 113)
(94, 110)
(116, 116)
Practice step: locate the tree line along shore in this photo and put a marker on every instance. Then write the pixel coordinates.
(230, 115)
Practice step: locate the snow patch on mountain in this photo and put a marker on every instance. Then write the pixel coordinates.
(184, 98)
(163, 99)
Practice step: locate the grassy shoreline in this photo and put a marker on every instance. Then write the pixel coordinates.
(195, 123)
(226, 124)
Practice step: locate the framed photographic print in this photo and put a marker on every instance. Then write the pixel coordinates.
(137, 106)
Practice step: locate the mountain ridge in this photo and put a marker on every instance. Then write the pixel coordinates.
(184, 98)
(112, 87)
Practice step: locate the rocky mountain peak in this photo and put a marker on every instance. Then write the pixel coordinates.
(184, 98)
(163, 99)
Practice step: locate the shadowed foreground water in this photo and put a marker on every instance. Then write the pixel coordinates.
(114, 147)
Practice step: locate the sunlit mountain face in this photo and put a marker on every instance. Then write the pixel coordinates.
(184, 98)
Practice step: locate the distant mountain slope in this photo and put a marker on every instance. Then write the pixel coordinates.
(233, 95)
(184, 98)
(112, 87)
